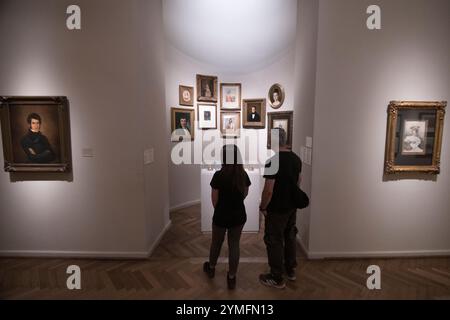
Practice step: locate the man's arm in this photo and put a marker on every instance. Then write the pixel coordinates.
(29, 151)
(267, 194)
(49, 154)
(214, 197)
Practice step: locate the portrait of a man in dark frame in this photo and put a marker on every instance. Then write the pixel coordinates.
(36, 145)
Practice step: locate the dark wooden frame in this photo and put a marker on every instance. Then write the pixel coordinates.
(393, 110)
(199, 89)
(285, 115)
(64, 134)
(258, 125)
(222, 85)
(180, 95)
(198, 115)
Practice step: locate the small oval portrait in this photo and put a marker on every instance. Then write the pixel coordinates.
(276, 96)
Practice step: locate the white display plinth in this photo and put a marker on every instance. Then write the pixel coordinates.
(251, 202)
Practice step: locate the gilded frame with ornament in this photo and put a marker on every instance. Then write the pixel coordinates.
(399, 114)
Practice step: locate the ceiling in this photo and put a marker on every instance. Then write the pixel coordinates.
(231, 35)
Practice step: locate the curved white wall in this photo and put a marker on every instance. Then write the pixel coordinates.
(234, 36)
(184, 180)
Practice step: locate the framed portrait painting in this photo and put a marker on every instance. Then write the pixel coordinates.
(414, 136)
(182, 125)
(207, 116)
(206, 88)
(36, 134)
(282, 120)
(186, 96)
(254, 115)
(230, 96)
(276, 96)
(230, 124)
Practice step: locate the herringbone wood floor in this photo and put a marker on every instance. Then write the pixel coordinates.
(175, 272)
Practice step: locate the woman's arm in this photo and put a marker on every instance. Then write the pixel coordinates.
(214, 197)
(245, 192)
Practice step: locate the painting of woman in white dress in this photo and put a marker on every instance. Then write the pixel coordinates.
(414, 137)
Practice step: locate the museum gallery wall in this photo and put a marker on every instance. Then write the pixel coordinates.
(357, 201)
(102, 70)
(362, 210)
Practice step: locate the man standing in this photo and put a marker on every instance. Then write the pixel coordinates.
(278, 207)
(35, 144)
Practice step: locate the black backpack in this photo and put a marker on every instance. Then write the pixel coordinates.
(301, 199)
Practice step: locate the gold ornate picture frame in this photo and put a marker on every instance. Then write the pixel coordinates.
(230, 96)
(254, 114)
(414, 136)
(186, 96)
(207, 88)
(182, 125)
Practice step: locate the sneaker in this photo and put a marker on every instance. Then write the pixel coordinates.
(231, 282)
(270, 281)
(290, 275)
(208, 270)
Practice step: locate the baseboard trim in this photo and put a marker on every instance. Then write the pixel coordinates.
(158, 240)
(184, 205)
(73, 254)
(315, 255)
(101, 255)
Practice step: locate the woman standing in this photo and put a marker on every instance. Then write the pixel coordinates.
(229, 189)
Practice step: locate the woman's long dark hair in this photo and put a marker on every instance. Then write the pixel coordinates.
(233, 168)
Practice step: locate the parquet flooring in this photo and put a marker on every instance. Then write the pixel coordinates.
(174, 271)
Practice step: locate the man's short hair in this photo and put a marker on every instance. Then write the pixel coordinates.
(34, 116)
(282, 136)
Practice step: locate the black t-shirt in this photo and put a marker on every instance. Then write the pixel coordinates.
(230, 209)
(286, 177)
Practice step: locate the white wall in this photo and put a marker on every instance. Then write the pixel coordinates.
(182, 70)
(150, 36)
(305, 86)
(113, 78)
(354, 211)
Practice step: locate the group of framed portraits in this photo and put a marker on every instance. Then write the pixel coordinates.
(229, 97)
